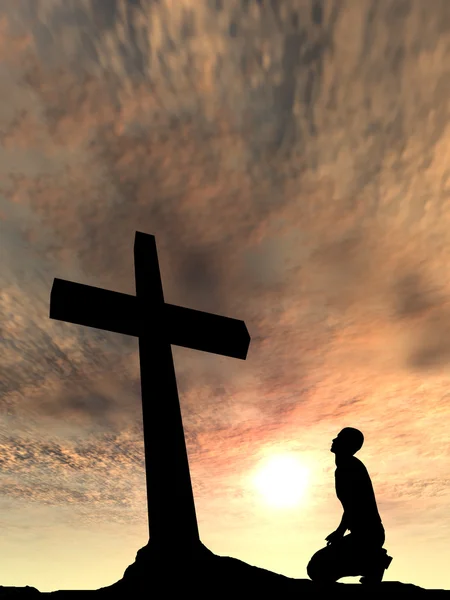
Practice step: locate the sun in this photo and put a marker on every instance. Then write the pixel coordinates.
(282, 480)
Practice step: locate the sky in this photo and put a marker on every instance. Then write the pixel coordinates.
(291, 159)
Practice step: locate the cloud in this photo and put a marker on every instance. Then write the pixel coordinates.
(291, 160)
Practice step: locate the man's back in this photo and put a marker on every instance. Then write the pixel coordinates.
(355, 492)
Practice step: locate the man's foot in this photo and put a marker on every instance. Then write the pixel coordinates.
(376, 574)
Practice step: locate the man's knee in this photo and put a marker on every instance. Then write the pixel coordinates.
(320, 567)
(311, 569)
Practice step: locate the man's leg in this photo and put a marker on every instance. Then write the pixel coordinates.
(375, 557)
(374, 571)
(339, 559)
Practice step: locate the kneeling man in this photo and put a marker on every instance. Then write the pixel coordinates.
(361, 552)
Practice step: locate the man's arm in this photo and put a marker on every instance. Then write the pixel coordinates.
(352, 486)
(339, 533)
(343, 525)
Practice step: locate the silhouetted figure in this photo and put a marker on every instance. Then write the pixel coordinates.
(361, 552)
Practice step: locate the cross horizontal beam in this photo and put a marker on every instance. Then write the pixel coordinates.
(95, 307)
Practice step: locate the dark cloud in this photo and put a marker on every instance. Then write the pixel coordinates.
(432, 348)
(413, 299)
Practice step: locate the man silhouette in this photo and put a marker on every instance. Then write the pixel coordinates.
(360, 552)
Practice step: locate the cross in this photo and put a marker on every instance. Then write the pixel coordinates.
(157, 325)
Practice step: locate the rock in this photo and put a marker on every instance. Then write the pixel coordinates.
(207, 575)
(203, 574)
(11, 591)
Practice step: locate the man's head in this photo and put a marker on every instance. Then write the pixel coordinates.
(347, 442)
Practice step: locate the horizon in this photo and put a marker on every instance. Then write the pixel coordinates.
(290, 163)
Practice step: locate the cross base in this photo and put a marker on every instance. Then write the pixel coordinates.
(172, 551)
(158, 562)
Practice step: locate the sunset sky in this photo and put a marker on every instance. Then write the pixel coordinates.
(292, 159)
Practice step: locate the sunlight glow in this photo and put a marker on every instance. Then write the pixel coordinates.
(282, 480)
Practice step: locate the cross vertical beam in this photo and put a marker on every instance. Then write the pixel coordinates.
(171, 508)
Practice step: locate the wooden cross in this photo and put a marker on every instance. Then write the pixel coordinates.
(171, 509)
